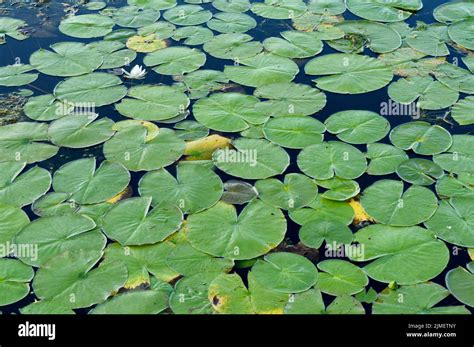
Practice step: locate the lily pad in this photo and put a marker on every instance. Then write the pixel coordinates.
(114, 53)
(146, 44)
(232, 6)
(329, 159)
(455, 77)
(137, 150)
(460, 283)
(67, 59)
(19, 189)
(317, 231)
(87, 26)
(225, 22)
(429, 39)
(55, 235)
(324, 209)
(385, 10)
(80, 131)
(294, 44)
(88, 185)
(11, 27)
(193, 35)
(234, 46)
(431, 95)
(135, 17)
(262, 69)
(93, 90)
(295, 192)
(15, 281)
(461, 33)
(454, 221)
(463, 111)
(349, 73)
(187, 15)
(289, 99)
(175, 60)
(458, 158)
(421, 137)
(252, 159)
(339, 189)
(357, 127)
(228, 112)
(12, 221)
(419, 171)
(405, 255)
(25, 141)
(279, 9)
(329, 7)
(46, 108)
(194, 189)
(415, 299)
(389, 203)
(82, 284)
(340, 277)
(16, 75)
(133, 222)
(219, 231)
(453, 11)
(294, 131)
(238, 192)
(153, 103)
(285, 272)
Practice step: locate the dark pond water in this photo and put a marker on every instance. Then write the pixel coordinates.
(44, 18)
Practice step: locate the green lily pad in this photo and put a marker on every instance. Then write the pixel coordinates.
(389, 203)
(82, 285)
(187, 15)
(453, 11)
(154, 4)
(46, 108)
(404, 255)
(202, 82)
(415, 299)
(87, 26)
(114, 53)
(143, 262)
(328, 7)
(294, 131)
(15, 281)
(67, 59)
(234, 46)
(189, 130)
(385, 10)
(418, 171)
(135, 17)
(429, 39)
(16, 75)
(194, 189)
(349, 73)
(133, 222)
(279, 9)
(133, 148)
(88, 185)
(384, 159)
(187, 261)
(460, 283)
(262, 69)
(455, 77)
(229, 295)
(329, 159)
(317, 231)
(339, 189)
(454, 221)
(220, 232)
(357, 127)
(340, 277)
(252, 159)
(294, 44)
(12, 221)
(95, 5)
(55, 235)
(285, 272)
(25, 141)
(232, 6)
(458, 159)
(19, 189)
(323, 209)
(80, 131)
(295, 191)
(45, 307)
(455, 186)
(238, 192)
(289, 99)
(461, 33)
(153, 103)
(228, 112)
(11, 27)
(54, 203)
(151, 301)
(463, 111)
(421, 137)
(95, 89)
(225, 22)
(193, 35)
(175, 60)
(431, 95)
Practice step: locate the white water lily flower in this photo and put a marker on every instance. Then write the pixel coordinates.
(137, 73)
